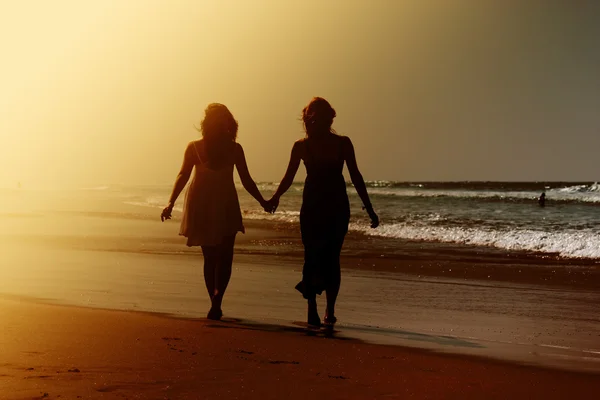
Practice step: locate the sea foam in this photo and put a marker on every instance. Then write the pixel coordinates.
(572, 194)
(569, 244)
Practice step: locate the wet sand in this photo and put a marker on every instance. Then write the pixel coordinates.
(62, 352)
(456, 302)
(272, 243)
(429, 259)
(136, 263)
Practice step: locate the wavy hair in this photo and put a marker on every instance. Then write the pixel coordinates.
(317, 117)
(219, 130)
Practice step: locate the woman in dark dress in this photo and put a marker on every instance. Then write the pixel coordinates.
(325, 209)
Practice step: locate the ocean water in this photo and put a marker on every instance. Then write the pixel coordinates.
(106, 247)
(491, 214)
(498, 214)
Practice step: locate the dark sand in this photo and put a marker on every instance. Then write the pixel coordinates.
(425, 259)
(66, 352)
(105, 262)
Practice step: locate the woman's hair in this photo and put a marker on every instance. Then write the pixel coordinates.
(318, 117)
(219, 130)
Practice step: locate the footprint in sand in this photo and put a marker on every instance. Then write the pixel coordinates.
(108, 389)
(284, 362)
(337, 377)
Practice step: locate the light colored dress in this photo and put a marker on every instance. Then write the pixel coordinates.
(212, 210)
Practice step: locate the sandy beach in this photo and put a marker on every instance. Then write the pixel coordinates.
(66, 352)
(441, 155)
(119, 300)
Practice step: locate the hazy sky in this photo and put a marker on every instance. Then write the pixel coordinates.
(100, 92)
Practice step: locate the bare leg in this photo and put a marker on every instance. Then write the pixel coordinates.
(333, 286)
(223, 271)
(313, 313)
(331, 293)
(210, 266)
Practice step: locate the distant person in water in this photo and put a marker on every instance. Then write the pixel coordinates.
(542, 200)
(325, 211)
(211, 215)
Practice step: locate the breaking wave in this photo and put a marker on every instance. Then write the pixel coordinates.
(584, 193)
(574, 244)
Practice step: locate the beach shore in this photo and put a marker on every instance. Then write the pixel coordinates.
(67, 352)
(420, 320)
(422, 259)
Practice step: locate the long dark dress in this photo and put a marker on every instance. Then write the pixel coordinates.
(324, 219)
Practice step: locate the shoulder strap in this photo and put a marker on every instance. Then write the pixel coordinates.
(197, 152)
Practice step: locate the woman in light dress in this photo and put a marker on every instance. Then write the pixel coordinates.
(211, 215)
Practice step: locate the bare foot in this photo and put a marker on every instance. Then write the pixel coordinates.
(313, 315)
(330, 319)
(215, 314)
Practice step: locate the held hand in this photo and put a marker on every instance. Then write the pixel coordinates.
(273, 204)
(166, 213)
(266, 205)
(373, 216)
(374, 221)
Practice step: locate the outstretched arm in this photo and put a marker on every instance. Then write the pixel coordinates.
(290, 174)
(358, 181)
(182, 179)
(247, 181)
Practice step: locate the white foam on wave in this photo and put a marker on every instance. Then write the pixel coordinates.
(591, 194)
(270, 187)
(280, 216)
(159, 202)
(584, 243)
(593, 188)
(575, 244)
(404, 192)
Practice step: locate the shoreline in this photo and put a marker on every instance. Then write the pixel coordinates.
(433, 314)
(164, 357)
(273, 241)
(437, 298)
(280, 242)
(291, 328)
(444, 346)
(422, 249)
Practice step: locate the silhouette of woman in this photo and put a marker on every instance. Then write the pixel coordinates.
(211, 216)
(325, 211)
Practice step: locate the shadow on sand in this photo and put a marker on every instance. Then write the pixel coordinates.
(357, 333)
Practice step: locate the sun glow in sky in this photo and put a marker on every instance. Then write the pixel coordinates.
(100, 92)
